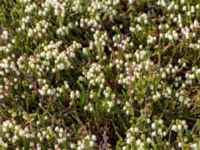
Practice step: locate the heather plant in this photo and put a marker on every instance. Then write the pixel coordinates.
(99, 74)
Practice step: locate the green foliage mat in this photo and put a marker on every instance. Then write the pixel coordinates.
(102, 74)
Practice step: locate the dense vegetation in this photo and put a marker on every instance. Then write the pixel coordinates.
(99, 74)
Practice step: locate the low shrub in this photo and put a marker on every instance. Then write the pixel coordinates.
(103, 74)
